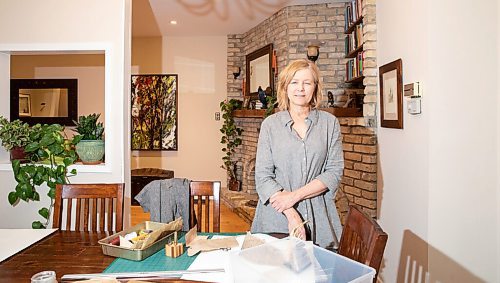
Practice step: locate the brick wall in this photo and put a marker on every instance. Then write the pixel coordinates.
(370, 70)
(290, 30)
(245, 153)
(359, 183)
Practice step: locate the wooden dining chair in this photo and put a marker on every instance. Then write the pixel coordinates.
(362, 240)
(202, 194)
(95, 203)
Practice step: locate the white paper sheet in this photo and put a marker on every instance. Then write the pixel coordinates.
(13, 241)
(217, 259)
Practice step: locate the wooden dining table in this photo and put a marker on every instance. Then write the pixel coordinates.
(65, 252)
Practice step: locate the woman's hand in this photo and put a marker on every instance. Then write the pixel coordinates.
(283, 200)
(295, 225)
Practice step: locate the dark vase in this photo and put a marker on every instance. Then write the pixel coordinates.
(234, 185)
(18, 153)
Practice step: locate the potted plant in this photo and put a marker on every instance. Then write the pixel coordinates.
(231, 139)
(272, 103)
(46, 145)
(89, 141)
(15, 136)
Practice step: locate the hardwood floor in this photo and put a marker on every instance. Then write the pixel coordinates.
(230, 222)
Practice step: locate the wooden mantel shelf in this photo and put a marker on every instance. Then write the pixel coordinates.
(249, 113)
(344, 112)
(338, 112)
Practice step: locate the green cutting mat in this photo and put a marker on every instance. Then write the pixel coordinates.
(156, 262)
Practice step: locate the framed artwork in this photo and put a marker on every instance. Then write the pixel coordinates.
(24, 105)
(154, 112)
(391, 95)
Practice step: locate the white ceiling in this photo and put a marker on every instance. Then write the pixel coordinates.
(204, 17)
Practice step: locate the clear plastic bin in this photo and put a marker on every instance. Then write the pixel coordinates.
(291, 260)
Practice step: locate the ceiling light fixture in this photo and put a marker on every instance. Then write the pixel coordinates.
(173, 22)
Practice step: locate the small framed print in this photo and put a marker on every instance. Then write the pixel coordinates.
(24, 105)
(391, 95)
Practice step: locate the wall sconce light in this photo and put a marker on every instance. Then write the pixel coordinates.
(313, 52)
(236, 72)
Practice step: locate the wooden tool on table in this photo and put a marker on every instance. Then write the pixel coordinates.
(174, 249)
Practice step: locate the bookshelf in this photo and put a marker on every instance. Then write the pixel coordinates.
(353, 40)
(353, 26)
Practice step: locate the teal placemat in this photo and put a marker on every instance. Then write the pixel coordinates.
(156, 262)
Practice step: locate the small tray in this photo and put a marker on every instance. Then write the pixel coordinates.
(136, 254)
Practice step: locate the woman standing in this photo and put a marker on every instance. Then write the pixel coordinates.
(299, 162)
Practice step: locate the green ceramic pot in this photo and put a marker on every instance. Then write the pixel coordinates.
(90, 151)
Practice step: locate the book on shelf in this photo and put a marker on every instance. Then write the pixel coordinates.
(347, 45)
(358, 34)
(359, 62)
(354, 40)
(359, 7)
(353, 11)
(348, 17)
(354, 66)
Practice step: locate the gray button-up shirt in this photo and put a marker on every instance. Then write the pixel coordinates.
(166, 200)
(286, 162)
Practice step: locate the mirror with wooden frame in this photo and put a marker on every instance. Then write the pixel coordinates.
(259, 71)
(44, 101)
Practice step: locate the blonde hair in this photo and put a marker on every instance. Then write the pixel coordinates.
(286, 77)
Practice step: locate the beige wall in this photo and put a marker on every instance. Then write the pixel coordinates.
(79, 25)
(498, 131)
(147, 54)
(200, 63)
(438, 176)
(24, 67)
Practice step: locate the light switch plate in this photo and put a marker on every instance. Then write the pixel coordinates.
(414, 105)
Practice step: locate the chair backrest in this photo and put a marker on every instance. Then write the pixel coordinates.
(94, 203)
(199, 203)
(363, 240)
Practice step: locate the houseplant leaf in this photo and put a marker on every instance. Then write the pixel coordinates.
(13, 198)
(44, 212)
(37, 225)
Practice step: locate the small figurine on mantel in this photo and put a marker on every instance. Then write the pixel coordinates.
(331, 100)
(262, 97)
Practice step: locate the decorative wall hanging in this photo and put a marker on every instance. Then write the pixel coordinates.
(154, 112)
(24, 105)
(391, 95)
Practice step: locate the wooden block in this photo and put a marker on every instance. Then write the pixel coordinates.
(174, 250)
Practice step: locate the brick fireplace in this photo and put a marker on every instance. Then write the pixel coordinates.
(290, 30)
